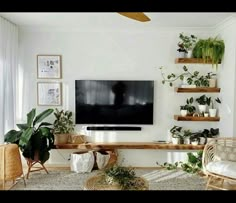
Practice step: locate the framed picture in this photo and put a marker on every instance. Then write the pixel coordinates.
(49, 93)
(49, 66)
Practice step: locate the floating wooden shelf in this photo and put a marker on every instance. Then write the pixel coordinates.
(191, 60)
(129, 145)
(197, 89)
(192, 118)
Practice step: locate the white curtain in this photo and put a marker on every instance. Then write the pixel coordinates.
(8, 75)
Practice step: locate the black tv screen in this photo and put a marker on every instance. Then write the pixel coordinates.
(114, 102)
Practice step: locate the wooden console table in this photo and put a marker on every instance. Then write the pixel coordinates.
(130, 145)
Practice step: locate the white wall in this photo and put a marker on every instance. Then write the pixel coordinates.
(129, 54)
(226, 79)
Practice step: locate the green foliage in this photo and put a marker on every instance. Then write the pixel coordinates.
(210, 49)
(124, 176)
(188, 106)
(193, 164)
(33, 136)
(192, 78)
(204, 100)
(63, 123)
(187, 42)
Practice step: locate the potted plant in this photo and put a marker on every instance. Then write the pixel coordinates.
(203, 101)
(186, 44)
(34, 138)
(124, 177)
(63, 126)
(209, 134)
(210, 49)
(186, 136)
(188, 107)
(212, 79)
(212, 109)
(177, 137)
(188, 79)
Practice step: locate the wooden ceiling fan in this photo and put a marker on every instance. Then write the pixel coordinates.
(139, 16)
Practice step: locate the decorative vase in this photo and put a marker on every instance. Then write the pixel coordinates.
(212, 112)
(212, 82)
(189, 54)
(183, 113)
(181, 54)
(202, 108)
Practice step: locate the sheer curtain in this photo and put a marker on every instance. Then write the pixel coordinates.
(8, 75)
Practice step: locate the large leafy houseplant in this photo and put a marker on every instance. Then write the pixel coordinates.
(210, 49)
(35, 139)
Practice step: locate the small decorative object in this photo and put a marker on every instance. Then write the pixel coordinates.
(196, 115)
(49, 93)
(206, 114)
(49, 66)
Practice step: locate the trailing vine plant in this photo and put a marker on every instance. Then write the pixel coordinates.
(192, 78)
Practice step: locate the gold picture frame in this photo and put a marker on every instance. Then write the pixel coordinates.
(49, 67)
(49, 93)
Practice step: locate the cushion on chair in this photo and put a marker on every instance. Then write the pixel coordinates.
(226, 153)
(225, 168)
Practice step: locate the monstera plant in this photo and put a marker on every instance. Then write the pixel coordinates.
(34, 138)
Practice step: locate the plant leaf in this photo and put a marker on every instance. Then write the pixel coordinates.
(22, 126)
(42, 116)
(30, 117)
(25, 137)
(44, 124)
(12, 136)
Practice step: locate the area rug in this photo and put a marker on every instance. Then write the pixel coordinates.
(67, 180)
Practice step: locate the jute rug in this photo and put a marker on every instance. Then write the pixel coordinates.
(161, 179)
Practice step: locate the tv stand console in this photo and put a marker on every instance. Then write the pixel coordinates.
(130, 145)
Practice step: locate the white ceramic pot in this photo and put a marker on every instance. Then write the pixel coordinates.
(187, 140)
(212, 112)
(212, 82)
(202, 108)
(194, 142)
(189, 54)
(206, 114)
(183, 112)
(181, 54)
(175, 140)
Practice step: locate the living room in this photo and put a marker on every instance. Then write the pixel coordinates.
(112, 47)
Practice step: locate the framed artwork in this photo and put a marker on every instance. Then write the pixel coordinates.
(49, 93)
(49, 66)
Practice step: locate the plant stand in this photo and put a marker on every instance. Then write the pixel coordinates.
(31, 164)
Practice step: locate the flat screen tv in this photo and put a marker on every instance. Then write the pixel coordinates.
(114, 101)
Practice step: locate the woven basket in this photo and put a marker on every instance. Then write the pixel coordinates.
(61, 138)
(10, 162)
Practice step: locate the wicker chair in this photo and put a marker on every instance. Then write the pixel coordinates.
(219, 162)
(10, 164)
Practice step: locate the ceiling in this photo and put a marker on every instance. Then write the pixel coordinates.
(94, 19)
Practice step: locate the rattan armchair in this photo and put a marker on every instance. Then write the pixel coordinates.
(219, 162)
(10, 164)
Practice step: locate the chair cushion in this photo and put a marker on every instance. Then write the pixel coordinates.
(226, 153)
(225, 168)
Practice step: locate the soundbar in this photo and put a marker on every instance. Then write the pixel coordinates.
(118, 128)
